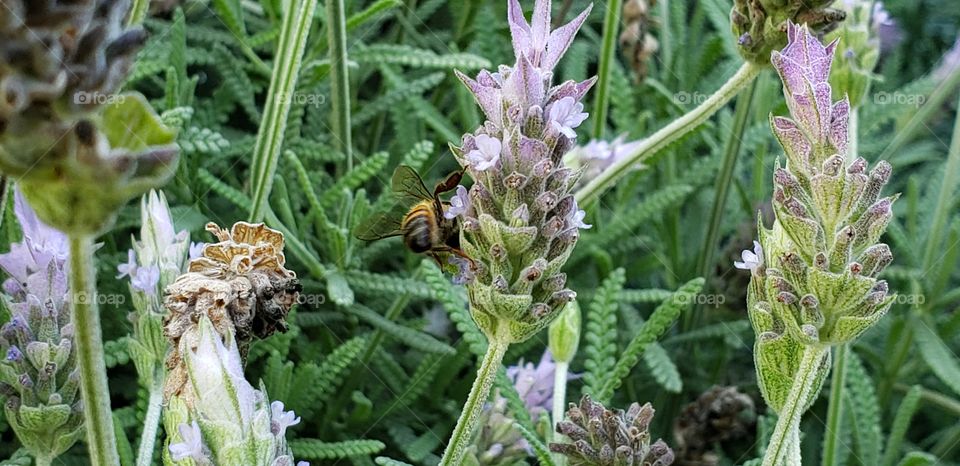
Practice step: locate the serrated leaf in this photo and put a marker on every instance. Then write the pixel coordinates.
(937, 355)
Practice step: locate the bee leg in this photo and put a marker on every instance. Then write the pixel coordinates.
(458, 252)
(448, 184)
(436, 258)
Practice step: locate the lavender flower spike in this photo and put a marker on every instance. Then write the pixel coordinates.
(520, 221)
(814, 275)
(38, 370)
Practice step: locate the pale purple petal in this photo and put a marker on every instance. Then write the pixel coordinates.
(459, 203)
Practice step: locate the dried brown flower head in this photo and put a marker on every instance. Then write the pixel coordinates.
(636, 40)
(719, 415)
(239, 283)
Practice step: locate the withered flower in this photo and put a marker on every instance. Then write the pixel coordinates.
(718, 415)
(239, 283)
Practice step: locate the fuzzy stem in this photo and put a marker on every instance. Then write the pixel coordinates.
(559, 402)
(339, 80)
(280, 96)
(670, 133)
(460, 438)
(785, 441)
(611, 23)
(831, 442)
(945, 199)
(722, 191)
(101, 439)
(151, 421)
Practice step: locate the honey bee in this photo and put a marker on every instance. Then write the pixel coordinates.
(418, 217)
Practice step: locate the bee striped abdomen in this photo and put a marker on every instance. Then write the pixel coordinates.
(420, 227)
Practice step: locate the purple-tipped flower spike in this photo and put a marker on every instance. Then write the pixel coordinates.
(38, 360)
(813, 273)
(520, 220)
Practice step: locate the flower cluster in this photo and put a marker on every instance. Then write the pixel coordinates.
(760, 26)
(601, 437)
(155, 261)
(78, 148)
(814, 273)
(519, 221)
(38, 371)
(229, 421)
(240, 284)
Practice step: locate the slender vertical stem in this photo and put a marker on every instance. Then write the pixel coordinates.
(460, 439)
(785, 441)
(101, 439)
(148, 438)
(611, 25)
(138, 11)
(722, 191)
(944, 200)
(280, 97)
(831, 441)
(559, 401)
(339, 79)
(670, 133)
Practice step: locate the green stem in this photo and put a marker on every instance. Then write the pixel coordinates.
(280, 97)
(785, 441)
(138, 11)
(670, 133)
(460, 438)
(101, 439)
(940, 400)
(559, 402)
(611, 25)
(722, 191)
(151, 421)
(831, 442)
(945, 199)
(339, 80)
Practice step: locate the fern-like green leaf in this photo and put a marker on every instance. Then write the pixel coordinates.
(864, 409)
(662, 368)
(539, 449)
(419, 58)
(652, 295)
(918, 458)
(601, 335)
(937, 355)
(901, 422)
(455, 304)
(661, 319)
(203, 141)
(116, 352)
(314, 449)
(410, 337)
(368, 169)
(384, 461)
(314, 383)
(394, 96)
(371, 12)
(388, 285)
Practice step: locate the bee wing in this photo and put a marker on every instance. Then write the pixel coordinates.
(380, 225)
(407, 182)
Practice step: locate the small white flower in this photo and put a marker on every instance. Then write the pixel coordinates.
(577, 220)
(216, 376)
(192, 444)
(196, 249)
(487, 153)
(459, 203)
(128, 269)
(567, 114)
(752, 260)
(145, 279)
(280, 419)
